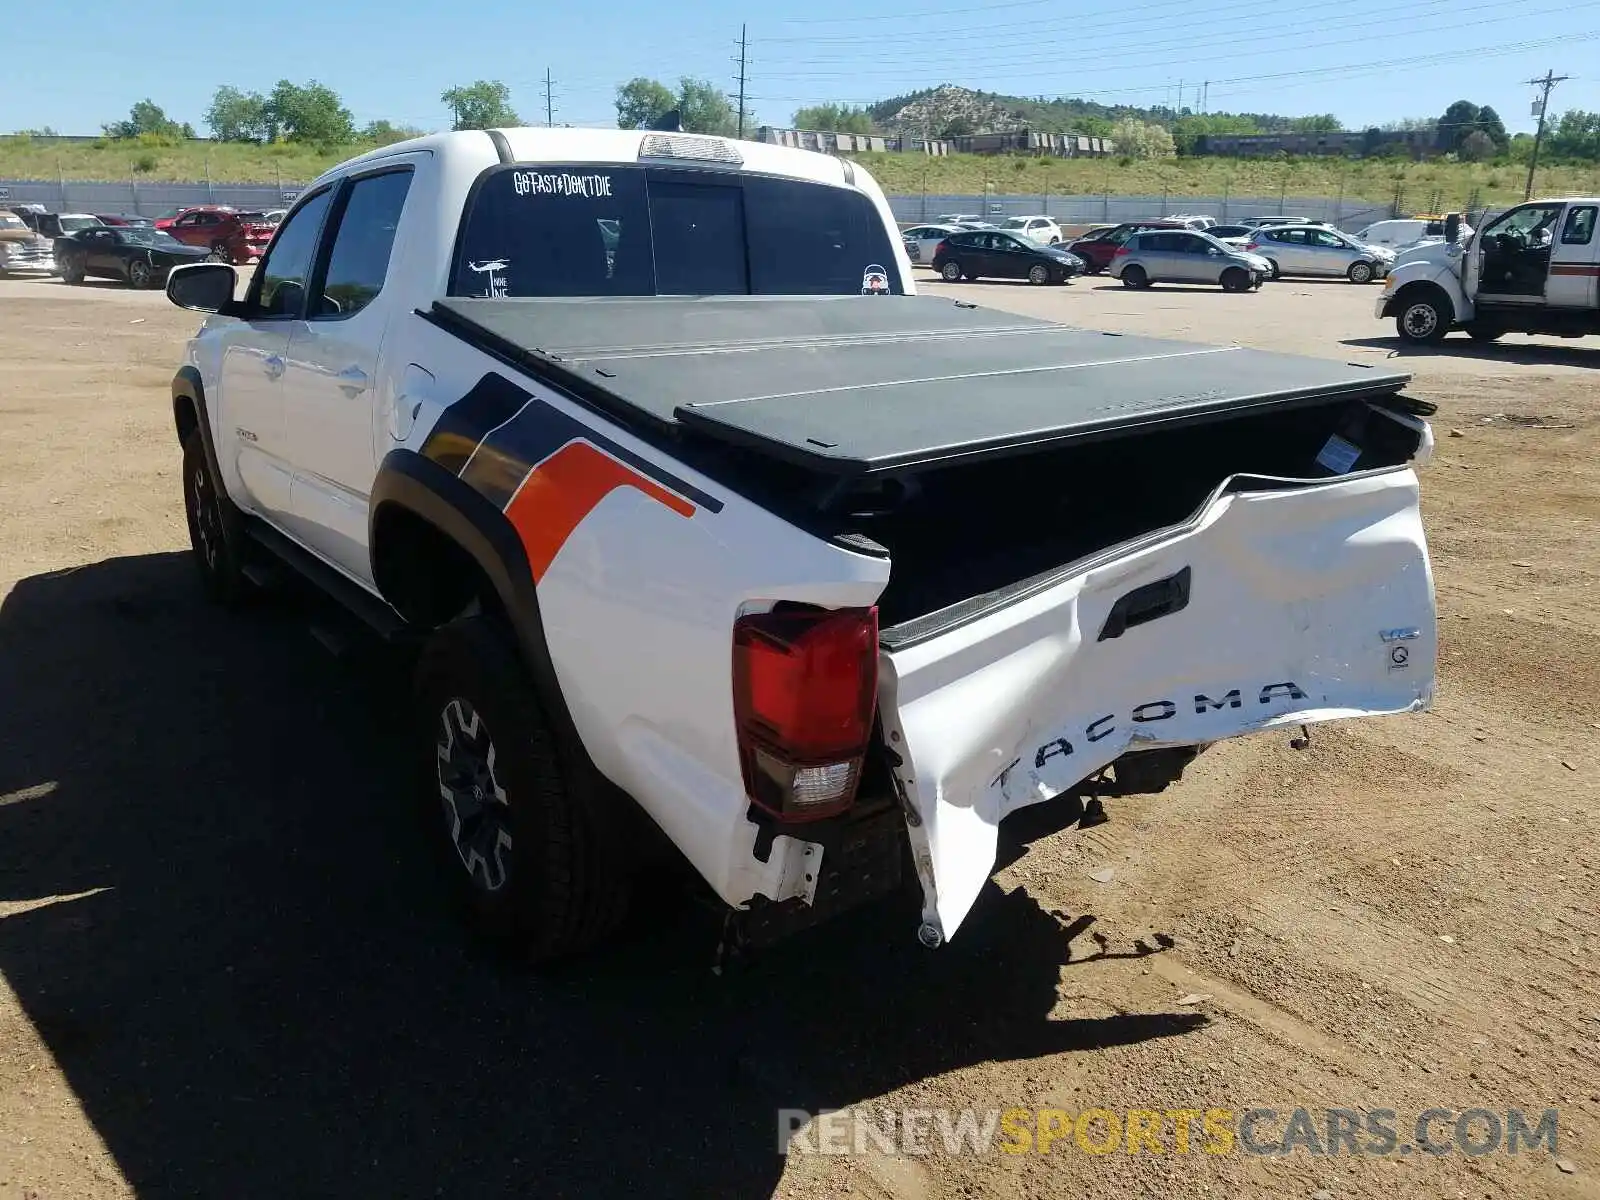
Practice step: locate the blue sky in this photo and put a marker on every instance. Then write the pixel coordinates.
(392, 60)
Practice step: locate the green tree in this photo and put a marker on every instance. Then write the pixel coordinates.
(1476, 146)
(1136, 139)
(834, 118)
(1321, 123)
(1460, 119)
(485, 104)
(312, 113)
(236, 116)
(641, 102)
(1576, 135)
(147, 117)
(705, 109)
(1492, 127)
(386, 133)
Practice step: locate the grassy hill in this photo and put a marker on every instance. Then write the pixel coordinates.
(1371, 180)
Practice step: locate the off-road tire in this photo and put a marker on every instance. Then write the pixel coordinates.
(216, 528)
(564, 886)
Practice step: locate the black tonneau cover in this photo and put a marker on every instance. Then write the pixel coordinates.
(852, 385)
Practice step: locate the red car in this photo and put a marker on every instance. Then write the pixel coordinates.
(231, 236)
(1098, 249)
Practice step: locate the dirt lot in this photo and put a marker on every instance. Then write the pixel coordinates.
(224, 974)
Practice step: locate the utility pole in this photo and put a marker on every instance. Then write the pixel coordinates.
(549, 100)
(1549, 81)
(1205, 102)
(743, 62)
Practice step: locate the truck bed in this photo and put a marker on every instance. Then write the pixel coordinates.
(864, 385)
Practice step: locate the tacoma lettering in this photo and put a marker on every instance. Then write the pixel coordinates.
(1156, 710)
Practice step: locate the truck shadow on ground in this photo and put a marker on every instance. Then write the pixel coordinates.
(223, 933)
(1542, 354)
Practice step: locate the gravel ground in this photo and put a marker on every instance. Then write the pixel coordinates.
(225, 975)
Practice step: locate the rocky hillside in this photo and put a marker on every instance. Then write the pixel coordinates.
(949, 109)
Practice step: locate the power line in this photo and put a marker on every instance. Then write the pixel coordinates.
(1346, 70)
(1187, 44)
(1549, 81)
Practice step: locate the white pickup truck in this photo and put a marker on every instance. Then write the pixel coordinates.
(710, 526)
(1533, 269)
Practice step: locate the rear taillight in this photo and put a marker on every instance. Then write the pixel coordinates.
(1252, 245)
(1121, 250)
(805, 687)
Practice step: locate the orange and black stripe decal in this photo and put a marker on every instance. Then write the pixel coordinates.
(1589, 269)
(545, 470)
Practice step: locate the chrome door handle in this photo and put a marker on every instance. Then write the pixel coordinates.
(353, 381)
(273, 365)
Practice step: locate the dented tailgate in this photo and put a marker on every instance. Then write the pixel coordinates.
(1280, 602)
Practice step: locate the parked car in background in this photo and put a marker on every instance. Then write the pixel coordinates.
(999, 254)
(1186, 256)
(231, 236)
(958, 218)
(1035, 228)
(922, 240)
(275, 216)
(1232, 233)
(1405, 232)
(141, 256)
(1317, 250)
(1193, 220)
(22, 251)
(54, 225)
(1097, 249)
(125, 219)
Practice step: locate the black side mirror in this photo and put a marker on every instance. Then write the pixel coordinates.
(1452, 228)
(202, 287)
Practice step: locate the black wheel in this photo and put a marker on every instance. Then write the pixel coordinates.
(951, 271)
(1039, 273)
(1484, 333)
(71, 269)
(220, 253)
(1235, 279)
(216, 531)
(1360, 272)
(523, 850)
(1274, 272)
(1422, 319)
(140, 274)
(1135, 277)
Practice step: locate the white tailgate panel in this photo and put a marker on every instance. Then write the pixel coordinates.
(1298, 602)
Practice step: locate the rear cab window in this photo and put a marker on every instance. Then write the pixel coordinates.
(631, 230)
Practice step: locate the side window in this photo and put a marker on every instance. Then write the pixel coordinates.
(1120, 236)
(362, 246)
(185, 222)
(1579, 227)
(281, 278)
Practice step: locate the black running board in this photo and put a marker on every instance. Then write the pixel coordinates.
(372, 612)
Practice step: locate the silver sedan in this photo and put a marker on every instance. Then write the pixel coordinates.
(922, 240)
(1320, 251)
